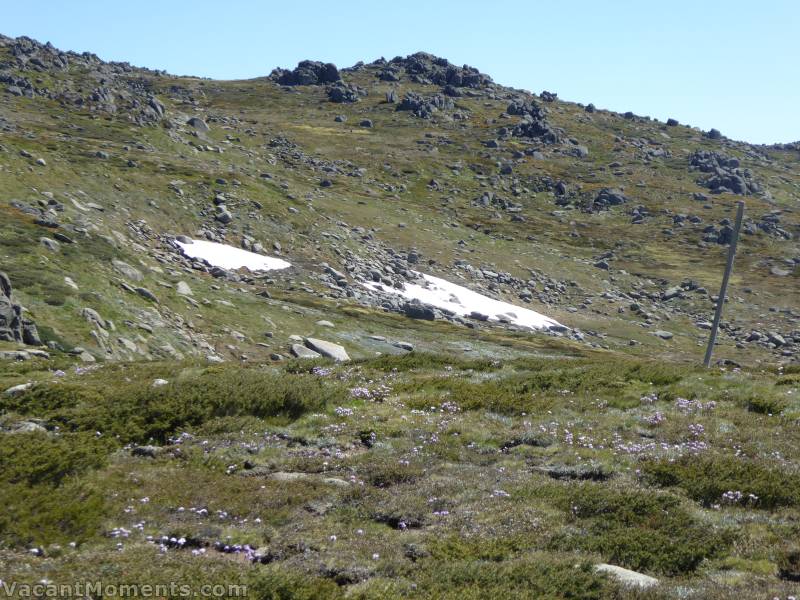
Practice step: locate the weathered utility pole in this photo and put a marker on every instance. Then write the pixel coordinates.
(712, 338)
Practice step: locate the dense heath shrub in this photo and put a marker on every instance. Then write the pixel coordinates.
(707, 478)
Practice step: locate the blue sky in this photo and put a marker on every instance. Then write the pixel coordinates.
(733, 65)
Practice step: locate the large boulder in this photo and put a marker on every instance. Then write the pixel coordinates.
(417, 310)
(328, 349)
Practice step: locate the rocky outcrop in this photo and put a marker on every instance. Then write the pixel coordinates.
(608, 197)
(428, 69)
(13, 326)
(307, 72)
(123, 89)
(534, 124)
(425, 107)
(723, 173)
(345, 93)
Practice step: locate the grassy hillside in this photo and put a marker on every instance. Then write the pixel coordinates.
(169, 435)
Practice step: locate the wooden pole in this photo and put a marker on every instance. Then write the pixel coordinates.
(712, 338)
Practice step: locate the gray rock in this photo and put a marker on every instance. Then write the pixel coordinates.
(48, 243)
(17, 390)
(776, 338)
(416, 310)
(128, 344)
(609, 197)
(224, 217)
(183, 289)
(146, 294)
(30, 334)
(94, 317)
(86, 357)
(307, 72)
(126, 270)
(664, 335)
(27, 427)
(300, 351)
(778, 272)
(13, 326)
(146, 451)
(328, 349)
(198, 123)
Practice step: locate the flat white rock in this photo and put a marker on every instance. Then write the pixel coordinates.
(626, 576)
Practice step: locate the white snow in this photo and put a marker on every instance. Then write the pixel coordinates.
(229, 257)
(462, 301)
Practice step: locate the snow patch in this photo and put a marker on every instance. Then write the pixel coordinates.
(463, 301)
(229, 257)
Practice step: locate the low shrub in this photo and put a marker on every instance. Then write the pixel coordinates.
(706, 479)
(42, 495)
(44, 514)
(639, 530)
(284, 584)
(532, 576)
(139, 412)
(42, 459)
(421, 361)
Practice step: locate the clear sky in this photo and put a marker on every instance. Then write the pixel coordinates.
(729, 64)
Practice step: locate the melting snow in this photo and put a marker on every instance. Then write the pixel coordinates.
(228, 257)
(462, 301)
